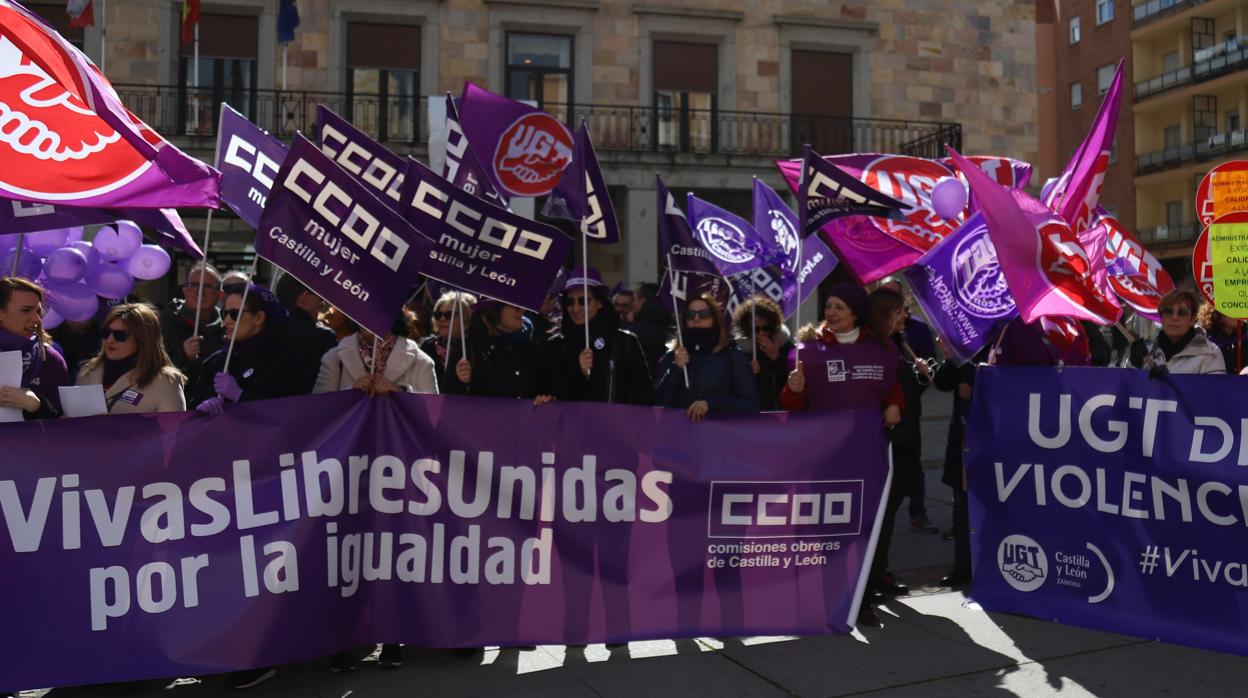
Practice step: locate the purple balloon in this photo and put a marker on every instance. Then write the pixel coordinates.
(118, 243)
(109, 280)
(51, 319)
(148, 262)
(28, 265)
(93, 257)
(949, 198)
(65, 265)
(73, 301)
(44, 241)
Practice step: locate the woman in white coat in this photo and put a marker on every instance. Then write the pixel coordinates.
(401, 365)
(1182, 346)
(133, 366)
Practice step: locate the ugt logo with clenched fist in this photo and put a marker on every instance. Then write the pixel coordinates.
(532, 154)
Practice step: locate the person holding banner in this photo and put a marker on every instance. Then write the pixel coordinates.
(43, 369)
(1181, 347)
(451, 312)
(503, 358)
(257, 368)
(612, 368)
(306, 340)
(187, 343)
(400, 364)
(133, 367)
(1225, 333)
(720, 379)
(762, 334)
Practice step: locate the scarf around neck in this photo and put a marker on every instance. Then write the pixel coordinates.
(32, 353)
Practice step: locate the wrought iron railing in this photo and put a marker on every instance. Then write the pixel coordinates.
(1170, 234)
(1156, 9)
(1213, 147)
(181, 111)
(1227, 57)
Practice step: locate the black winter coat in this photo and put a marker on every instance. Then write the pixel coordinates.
(723, 378)
(305, 341)
(948, 377)
(260, 366)
(176, 327)
(619, 374)
(499, 368)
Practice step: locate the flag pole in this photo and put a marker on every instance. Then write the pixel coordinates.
(104, 36)
(797, 312)
(195, 73)
(446, 364)
(199, 298)
(680, 340)
(17, 252)
(284, 47)
(229, 352)
(585, 284)
(463, 340)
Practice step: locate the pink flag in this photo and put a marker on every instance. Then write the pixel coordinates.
(1143, 281)
(1044, 263)
(68, 139)
(866, 252)
(1077, 193)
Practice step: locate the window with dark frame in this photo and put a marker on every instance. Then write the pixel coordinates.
(540, 70)
(383, 79)
(686, 79)
(228, 45)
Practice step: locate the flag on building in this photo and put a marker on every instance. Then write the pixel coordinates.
(190, 18)
(81, 13)
(287, 21)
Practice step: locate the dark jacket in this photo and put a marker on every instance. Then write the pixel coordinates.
(445, 372)
(723, 378)
(259, 364)
(619, 374)
(652, 326)
(501, 366)
(772, 373)
(947, 378)
(176, 325)
(305, 341)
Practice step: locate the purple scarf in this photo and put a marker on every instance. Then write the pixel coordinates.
(32, 353)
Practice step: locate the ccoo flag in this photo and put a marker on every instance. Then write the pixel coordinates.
(461, 166)
(249, 158)
(827, 192)
(582, 194)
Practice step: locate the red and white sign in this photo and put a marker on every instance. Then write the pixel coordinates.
(1202, 268)
(910, 181)
(1223, 190)
(532, 154)
(1143, 289)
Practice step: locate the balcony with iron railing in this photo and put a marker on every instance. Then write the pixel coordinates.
(1151, 11)
(1223, 58)
(402, 123)
(1169, 235)
(1213, 147)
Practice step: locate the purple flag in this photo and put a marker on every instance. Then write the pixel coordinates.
(1077, 193)
(773, 217)
(582, 194)
(249, 158)
(678, 287)
(168, 226)
(734, 245)
(462, 167)
(325, 227)
(479, 246)
(70, 141)
(287, 530)
(357, 153)
(525, 149)
(826, 193)
(165, 224)
(676, 241)
(961, 289)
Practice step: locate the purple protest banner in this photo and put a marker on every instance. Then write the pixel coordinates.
(330, 231)
(525, 150)
(164, 226)
(249, 158)
(479, 246)
(961, 289)
(806, 264)
(1106, 499)
(290, 529)
(826, 192)
(582, 196)
(676, 242)
(679, 287)
(356, 152)
(71, 141)
(462, 168)
(734, 245)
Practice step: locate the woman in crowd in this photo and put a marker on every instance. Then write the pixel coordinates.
(133, 366)
(1181, 347)
(504, 359)
(1223, 331)
(840, 369)
(719, 375)
(401, 365)
(758, 321)
(43, 369)
(259, 368)
(455, 305)
(612, 368)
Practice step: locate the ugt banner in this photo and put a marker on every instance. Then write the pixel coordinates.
(283, 530)
(1104, 499)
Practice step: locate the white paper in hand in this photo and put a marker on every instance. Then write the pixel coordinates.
(83, 400)
(10, 375)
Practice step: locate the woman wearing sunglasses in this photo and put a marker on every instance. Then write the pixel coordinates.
(720, 378)
(761, 334)
(133, 366)
(259, 366)
(1182, 346)
(446, 323)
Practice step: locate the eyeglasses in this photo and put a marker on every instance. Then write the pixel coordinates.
(1177, 311)
(443, 314)
(767, 329)
(194, 286)
(117, 335)
(569, 301)
(233, 313)
(234, 289)
(703, 314)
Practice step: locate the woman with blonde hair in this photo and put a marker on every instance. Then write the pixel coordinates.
(133, 366)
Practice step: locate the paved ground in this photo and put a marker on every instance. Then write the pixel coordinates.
(932, 644)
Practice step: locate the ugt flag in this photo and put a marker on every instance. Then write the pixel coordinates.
(249, 158)
(331, 232)
(827, 193)
(1078, 191)
(525, 150)
(1142, 281)
(676, 242)
(582, 194)
(461, 166)
(773, 218)
(732, 242)
(69, 140)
